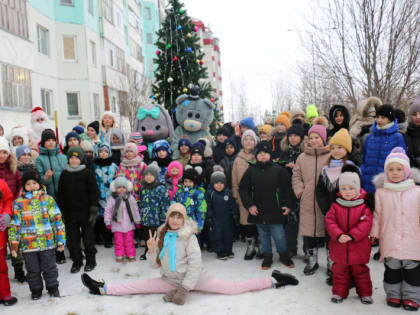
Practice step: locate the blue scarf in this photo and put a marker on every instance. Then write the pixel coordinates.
(336, 163)
(170, 240)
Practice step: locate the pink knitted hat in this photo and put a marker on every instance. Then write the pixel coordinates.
(320, 130)
(398, 155)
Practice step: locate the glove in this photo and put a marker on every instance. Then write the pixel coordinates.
(169, 295)
(4, 221)
(93, 212)
(138, 226)
(108, 227)
(180, 296)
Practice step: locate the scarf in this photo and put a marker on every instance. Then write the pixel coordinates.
(103, 162)
(401, 186)
(333, 170)
(133, 162)
(350, 203)
(385, 127)
(117, 215)
(170, 241)
(76, 169)
(146, 185)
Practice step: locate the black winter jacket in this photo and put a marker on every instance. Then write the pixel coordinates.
(412, 140)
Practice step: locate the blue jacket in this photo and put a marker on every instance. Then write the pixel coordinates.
(193, 200)
(105, 173)
(377, 146)
(153, 204)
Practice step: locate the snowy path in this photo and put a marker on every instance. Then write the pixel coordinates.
(311, 296)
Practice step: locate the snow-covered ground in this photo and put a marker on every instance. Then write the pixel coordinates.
(311, 296)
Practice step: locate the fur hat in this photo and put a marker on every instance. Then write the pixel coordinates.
(21, 150)
(130, 147)
(387, 111)
(320, 130)
(79, 129)
(218, 175)
(283, 119)
(4, 145)
(247, 122)
(72, 134)
(77, 152)
(47, 134)
(341, 137)
(296, 129)
(86, 146)
(414, 106)
(184, 141)
(154, 169)
(349, 179)
(121, 181)
(191, 174)
(37, 113)
(31, 174)
(398, 155)
(311, 111)
(249, 133)
(208, 151)
(95, 126)
(263, 146)
(295, 112)
(18, 131)
(179, 208)
(108, 113)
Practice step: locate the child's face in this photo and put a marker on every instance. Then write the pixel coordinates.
(121, 190)
(338, 152)
(91, 133)
(3, 156)
(395, 172)
(315, 140)
(174, 171)
(17, 141)
(50, 144)
(196, 158)
(31, 185)
(382, 120)
(230, 149)
(221, 138)
(184, 149)
(263, 136)
(25, 158)
(89, 153)
(74, 161)
(107, 121)
(294, 140)
(416, 118)
(263, 157)
(249, 144)
(162, 154)
(280, 128)
(188, 183)
(175, 221)
(339, 118)
(115, 139)
(348, 192)
(103, 154)
(72, 142)
(130, 155)
(149, 178)
(219, 186)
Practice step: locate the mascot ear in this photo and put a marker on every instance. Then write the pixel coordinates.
(209, 104)
(181, 98)
(168, 121)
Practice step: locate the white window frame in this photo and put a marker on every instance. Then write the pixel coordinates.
(149, 38)
(74, 37)
(147, 13)
(47, 40)
(95, 102)
(78, 103)
(108, 10)
(133, 18)
(48, 108)
(93, 58)
(66, 3)
(118, 19)
(16, 90)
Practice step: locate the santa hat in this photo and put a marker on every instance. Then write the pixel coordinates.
(37, 113)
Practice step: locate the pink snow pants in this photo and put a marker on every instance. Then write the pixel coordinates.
(124, 244)
(213, 285)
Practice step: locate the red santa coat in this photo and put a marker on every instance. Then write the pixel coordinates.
(353, 218)
(5, 207)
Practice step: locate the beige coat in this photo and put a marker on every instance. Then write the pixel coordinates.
(240, 165)
(189, 271)
(304, 179)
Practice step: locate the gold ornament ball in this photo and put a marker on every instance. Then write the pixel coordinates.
(157, 95)
(184, 90)
(189, 35)
(198, 61)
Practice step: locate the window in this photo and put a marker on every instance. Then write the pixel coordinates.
(149, 38)
(93, 52)
(90, 7)
(133, 19)
(135, 50)
(120, 60)
(73, 103)
(43, 40)
(69, 46)
(147, 14)
(96, 111)
(108, 10)
(118, 19)
(114, 56)
(13, 17)
(113, 100)
(67, 2)
(17, 90)
(46, 101)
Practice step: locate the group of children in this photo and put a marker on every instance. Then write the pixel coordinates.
(341, 186)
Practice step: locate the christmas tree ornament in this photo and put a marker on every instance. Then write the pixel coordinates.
(153, 97)
(181, 11)
(170, 80)
(175, 58)
(156, 95)
(158, 52)
(174, 110)
(198, 61)
(217, 109)
(189, 35)
(179, 27)
(188, 49)
(184, 90)
(212, 100)
(168, 46)
(201, 62)
(196, 29)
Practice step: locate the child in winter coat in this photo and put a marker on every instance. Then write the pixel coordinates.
(281, 125)
(108, 123)
(78, 197)
(175, 171)
(412, 135)
(265, 132)
(396, 224)
(122, 217)
(311, 114)
(24, 159)
(266, 192)
(184, 147)
(6, 200)
(378, 144)
(142, 151)
(154, 202)
(37, 230)
(221, 209)
(304, 179)
(72, 140)
(231, 151)
(133, 168)
(203, 166)
(175, 250)
(117, 141)
(348, 223)
(222, 135)
(105, 173)
(162, 154)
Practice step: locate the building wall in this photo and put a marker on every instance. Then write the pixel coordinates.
(151, 26)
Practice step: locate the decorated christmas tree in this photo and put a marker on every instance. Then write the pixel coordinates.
(179, 59)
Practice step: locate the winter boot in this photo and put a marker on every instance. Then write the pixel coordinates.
(53, 292)
(258, 251)
(282, 279)
(8, 301)
(329, 279)
(312, 264)
(20, 274)
(95, 287)
(75, 268)
(250, 250)
(267, 262)
(336, 299)
(60, 257)
(286, 260)
(410, 305)
(396, 303)
(377, 255)
(36, 294)
(366, 300)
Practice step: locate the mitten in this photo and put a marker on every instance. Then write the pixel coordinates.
(169, 295)
(180, 296)
(108, 227)
(138, 226)
(93, 212)
(4, 221)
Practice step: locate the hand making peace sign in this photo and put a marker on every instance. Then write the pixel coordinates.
(151, 242)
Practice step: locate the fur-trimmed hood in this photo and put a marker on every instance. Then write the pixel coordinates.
(346, 115)
(284, 144)
(379, 180)
(208, 151)
(18, 131)
(189, 228)
(363, 105)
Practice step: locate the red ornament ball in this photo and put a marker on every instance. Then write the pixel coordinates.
(212, 100)
(175, 58)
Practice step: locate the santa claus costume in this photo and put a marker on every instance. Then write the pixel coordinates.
(39, 122)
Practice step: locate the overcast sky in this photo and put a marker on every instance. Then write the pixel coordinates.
(255, 43)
